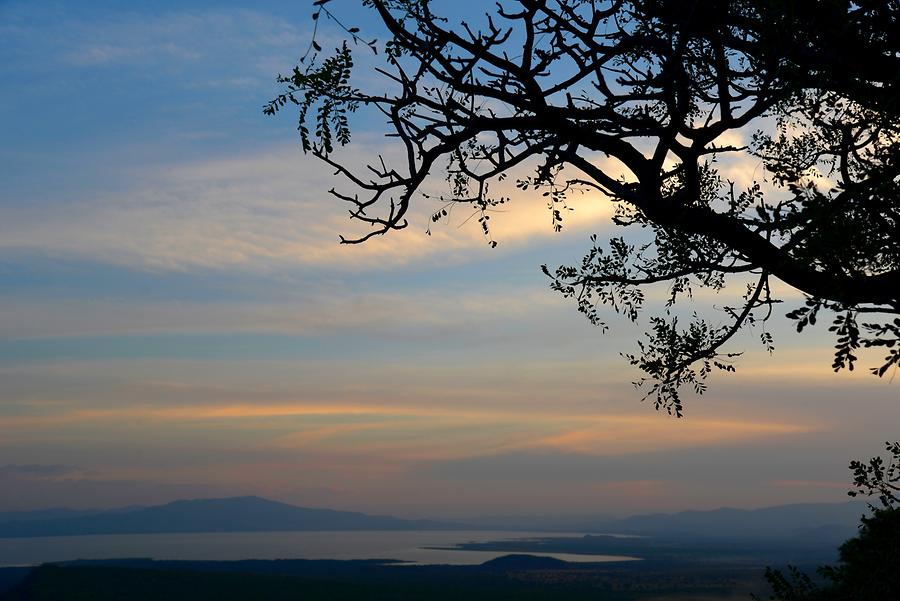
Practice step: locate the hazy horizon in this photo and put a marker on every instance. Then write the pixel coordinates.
(511, 515)
(178, 320)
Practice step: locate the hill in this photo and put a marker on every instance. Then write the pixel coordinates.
(236, 514)
(809, 521)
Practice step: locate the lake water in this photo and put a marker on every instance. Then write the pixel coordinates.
(405, 546)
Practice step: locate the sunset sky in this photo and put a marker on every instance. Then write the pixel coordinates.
(178, 320)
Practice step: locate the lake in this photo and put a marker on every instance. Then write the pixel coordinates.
(402, 545)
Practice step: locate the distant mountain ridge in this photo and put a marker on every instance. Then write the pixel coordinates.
(235, 514)
(825, 521)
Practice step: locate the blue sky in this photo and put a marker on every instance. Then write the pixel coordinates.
(177, 318)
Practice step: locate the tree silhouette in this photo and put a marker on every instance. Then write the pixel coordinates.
(869, 566)
(878, 478)
(641, 101)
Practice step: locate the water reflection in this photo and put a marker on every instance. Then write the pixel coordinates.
(416, 547)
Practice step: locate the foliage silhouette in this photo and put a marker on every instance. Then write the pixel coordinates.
(641, 101)
(869, 567)
(878, 478)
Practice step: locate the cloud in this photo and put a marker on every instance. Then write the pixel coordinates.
(39, 471)
(840, 485)
(61, 486)
(778, 462)
(414, 433)
(422, 312)
(167, 39)
(672, 480)
(260, 210)
(267, 211)
(641, 433)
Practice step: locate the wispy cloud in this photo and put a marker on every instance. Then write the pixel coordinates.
(28, 487)
(80, 38)
(419, 432)
(810, 484)
(310, 313)
(259, 212)
(40, 471)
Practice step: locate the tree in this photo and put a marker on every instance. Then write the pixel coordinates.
(553, 92)
(879, 479)
(869, 566)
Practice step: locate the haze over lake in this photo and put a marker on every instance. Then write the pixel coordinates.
(410, 546)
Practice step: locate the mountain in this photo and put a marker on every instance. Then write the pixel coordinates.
(53, 513)
(826, 522)
(236, 514)
(812, 523)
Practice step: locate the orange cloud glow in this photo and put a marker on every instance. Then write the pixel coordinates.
(404, 432)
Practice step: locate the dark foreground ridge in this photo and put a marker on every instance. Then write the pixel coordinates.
(509, 578)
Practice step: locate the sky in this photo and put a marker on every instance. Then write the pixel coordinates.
(178, 319)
